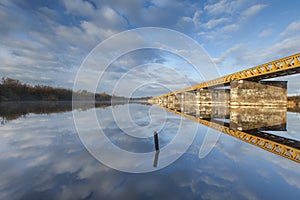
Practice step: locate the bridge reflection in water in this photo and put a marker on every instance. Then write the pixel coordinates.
(244, 123)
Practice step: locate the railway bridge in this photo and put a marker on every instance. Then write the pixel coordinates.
(246, 86)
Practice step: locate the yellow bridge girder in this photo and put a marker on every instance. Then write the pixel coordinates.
(276, 68)
(281, 149)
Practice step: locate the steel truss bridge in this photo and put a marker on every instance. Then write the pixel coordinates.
(278, 145)
(281, 67)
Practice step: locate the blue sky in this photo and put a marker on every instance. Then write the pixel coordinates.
(45, 42)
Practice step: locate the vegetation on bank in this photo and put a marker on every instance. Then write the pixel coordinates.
(14, 90)
(295, 99)
(294, 102)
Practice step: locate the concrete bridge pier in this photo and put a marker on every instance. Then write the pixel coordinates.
(198, 96)
(171, 98)
(164, 101)
(176, 99)
(213, 96)
(263, 93)
(189, 97)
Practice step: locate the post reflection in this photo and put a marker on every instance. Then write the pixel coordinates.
(155, 161)
(245, 123)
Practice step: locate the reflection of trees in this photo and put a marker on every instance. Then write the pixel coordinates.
(13, 110)
(294, 104)
(295, 109)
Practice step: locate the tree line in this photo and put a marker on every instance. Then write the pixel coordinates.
(14, 90)
(294, 102)
(295, 99)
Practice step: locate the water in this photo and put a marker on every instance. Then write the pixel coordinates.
(42, 157)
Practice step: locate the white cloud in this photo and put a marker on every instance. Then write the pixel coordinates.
(193, 22)
(83, 8)
(222, 33)
(230, 28)
(152, 13)
(293, 29)
(220, 7)
(232, 16)
(253, 10)
(228, 54)
(265, 33)
(196, 19)
(10, 21)
(215, 22)
(224, 7)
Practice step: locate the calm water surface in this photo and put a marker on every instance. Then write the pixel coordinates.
(42, 157)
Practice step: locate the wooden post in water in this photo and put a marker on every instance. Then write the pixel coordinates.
(156, 141)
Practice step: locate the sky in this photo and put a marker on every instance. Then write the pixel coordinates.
(47, 42)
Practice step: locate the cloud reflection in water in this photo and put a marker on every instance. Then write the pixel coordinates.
(42, 156)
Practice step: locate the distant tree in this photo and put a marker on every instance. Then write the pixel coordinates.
(14, 90)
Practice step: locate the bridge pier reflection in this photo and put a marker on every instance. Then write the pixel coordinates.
(244, 123)
(262, 118)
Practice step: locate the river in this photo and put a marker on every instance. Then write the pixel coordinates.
(43, 155)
